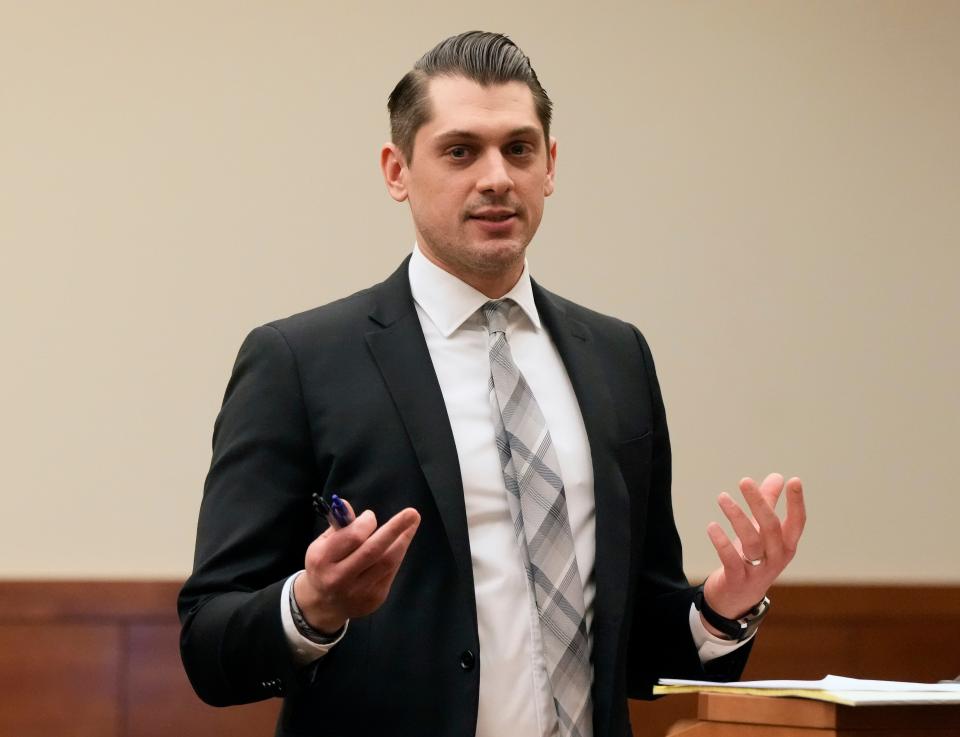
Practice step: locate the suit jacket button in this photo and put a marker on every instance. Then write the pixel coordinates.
(467, 660)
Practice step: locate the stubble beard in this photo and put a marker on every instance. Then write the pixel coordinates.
(489, 259)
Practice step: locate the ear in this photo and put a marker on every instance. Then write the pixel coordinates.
(394, 168)
(549, 183)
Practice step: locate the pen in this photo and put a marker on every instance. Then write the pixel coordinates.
(336, 512)
(340, 511)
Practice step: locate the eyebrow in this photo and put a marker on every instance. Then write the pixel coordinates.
(465, 135)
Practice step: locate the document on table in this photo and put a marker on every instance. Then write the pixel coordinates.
(837, 689)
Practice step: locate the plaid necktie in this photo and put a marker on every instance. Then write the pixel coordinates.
(538, 506)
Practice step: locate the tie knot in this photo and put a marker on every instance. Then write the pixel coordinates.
(494, 314)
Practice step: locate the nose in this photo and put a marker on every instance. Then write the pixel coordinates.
(494, 175)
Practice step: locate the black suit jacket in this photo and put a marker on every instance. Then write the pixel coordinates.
(344, 399)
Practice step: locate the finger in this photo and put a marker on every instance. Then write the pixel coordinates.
(750, 543)
(768, 523)
(771, 489)
(393, 556)
(796, 517)
(382, 572)
(369, 589)
(344, 541)
(376, 546)
(729, 557)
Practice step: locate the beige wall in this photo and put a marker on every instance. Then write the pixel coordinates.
(769, 190)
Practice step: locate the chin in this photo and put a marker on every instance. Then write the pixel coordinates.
(497, 254)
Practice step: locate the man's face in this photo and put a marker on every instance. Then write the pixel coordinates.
(479, 174)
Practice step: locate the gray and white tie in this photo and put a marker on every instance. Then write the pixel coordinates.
(538, 506)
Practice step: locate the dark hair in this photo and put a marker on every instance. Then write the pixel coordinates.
(486, 58)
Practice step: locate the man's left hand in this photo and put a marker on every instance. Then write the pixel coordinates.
(763, 547)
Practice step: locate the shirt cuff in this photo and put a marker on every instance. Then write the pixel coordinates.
(710, 646)
(305, 650)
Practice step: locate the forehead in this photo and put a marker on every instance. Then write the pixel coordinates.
(458, 103)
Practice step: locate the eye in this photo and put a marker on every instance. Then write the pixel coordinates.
(458, 152)
(519, 148)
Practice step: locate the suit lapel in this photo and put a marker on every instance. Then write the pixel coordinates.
(400, 351)
(611, 570)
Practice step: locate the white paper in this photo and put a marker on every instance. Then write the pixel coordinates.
(830, 683)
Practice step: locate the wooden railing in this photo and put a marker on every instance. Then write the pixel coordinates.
(100, 658)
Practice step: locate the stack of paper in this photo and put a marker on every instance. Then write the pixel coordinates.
(838, 689)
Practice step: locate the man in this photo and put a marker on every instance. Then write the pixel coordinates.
(527, 578)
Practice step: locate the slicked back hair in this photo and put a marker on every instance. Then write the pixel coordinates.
(486, 58)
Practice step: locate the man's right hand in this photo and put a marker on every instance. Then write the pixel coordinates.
(349, 571)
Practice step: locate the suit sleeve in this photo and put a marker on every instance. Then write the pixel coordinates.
(254, 527)
(661, 644)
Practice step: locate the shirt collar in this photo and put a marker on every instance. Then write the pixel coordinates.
(450, 302)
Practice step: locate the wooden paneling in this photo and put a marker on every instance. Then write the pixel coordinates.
(900, 633)
(654, 718)
(160, 702)
(804, 650)
(888, 632)
(100, 658)
(730, 714)
(59, 679)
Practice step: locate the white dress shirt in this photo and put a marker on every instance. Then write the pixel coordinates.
(515, 695)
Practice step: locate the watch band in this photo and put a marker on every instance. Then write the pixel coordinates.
(304, 628)
(738, 629)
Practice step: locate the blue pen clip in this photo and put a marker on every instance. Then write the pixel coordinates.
(335, 511)
(340, 511)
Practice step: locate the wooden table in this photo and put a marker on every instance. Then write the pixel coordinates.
(723, 715)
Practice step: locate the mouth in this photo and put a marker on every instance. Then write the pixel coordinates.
(492, 216)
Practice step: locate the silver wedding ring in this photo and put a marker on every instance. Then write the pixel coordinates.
(754, 561)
